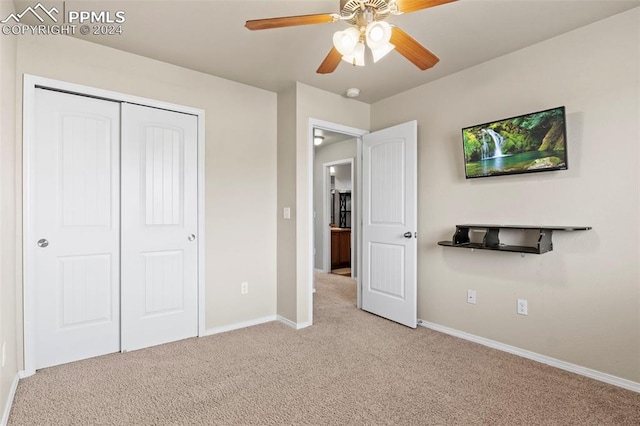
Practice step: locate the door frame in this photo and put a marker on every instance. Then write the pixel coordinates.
(30, 83)
(326, 211)
(315, 123)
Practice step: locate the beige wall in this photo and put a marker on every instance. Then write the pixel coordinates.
(296, 106)
(240, 198)
(320, 105)
(287, 198)
(584, 295)
(8, 202)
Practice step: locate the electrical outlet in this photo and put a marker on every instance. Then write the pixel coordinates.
(471, 297)
(522, 307)
(244, 288)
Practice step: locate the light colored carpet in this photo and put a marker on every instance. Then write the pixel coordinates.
(345, 272)
(350, 367)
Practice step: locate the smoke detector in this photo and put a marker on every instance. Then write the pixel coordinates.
(353, 92)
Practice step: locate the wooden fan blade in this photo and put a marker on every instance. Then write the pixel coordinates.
(330, 63)
(290, 21)
(408, 6)
(412, 50)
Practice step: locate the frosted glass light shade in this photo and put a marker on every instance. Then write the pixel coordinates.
(380, 52)
(357, 57)
(346, 41)
(378, 34)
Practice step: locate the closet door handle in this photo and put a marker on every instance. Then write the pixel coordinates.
(43, 243)
(191, 237)
(407, 235)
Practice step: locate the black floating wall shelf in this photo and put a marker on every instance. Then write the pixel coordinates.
(491, 240)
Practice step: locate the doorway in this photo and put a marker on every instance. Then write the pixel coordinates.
(334, 206)
(340, 236)
(386, 191)
(340, 146)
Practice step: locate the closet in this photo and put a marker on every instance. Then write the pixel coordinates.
(113, 220)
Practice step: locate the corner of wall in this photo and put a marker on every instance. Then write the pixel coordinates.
(4, 419)
(8, 223)
(314, 103)
(286, 228)
(578, 316)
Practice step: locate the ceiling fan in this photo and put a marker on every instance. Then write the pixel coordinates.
(367, 19)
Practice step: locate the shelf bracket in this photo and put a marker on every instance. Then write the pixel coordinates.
(544, 241)
(461, 236)
(491, 238)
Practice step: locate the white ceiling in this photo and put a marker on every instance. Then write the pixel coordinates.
(209, 36)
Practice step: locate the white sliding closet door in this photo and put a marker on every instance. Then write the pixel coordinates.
(159, 226)
(73, 186)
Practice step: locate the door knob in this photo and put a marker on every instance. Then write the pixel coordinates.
(42, 243)
(407, 234)
(191, 237)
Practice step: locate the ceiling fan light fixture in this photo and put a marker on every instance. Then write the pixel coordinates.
(357, 57)
(346, 41)
(367, 19)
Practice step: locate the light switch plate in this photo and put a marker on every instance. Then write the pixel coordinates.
(471, 297)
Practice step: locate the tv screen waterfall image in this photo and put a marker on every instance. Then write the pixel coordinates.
(533, 142)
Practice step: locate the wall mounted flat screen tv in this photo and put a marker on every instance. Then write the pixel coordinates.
(535, 142)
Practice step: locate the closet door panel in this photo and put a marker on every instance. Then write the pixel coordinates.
(159, 226)
(73, 216)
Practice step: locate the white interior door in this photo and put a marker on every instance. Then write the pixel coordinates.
(74, 213)
(389, 223)
(159, 226)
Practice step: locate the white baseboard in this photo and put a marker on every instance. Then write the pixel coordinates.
(288, 322)
(302, 325)
(257, 321)
(9, 401)
(238, 325)
(294, 325)
(26, 373)
(553, 362)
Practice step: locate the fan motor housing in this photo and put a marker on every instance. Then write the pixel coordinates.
(349, 7)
